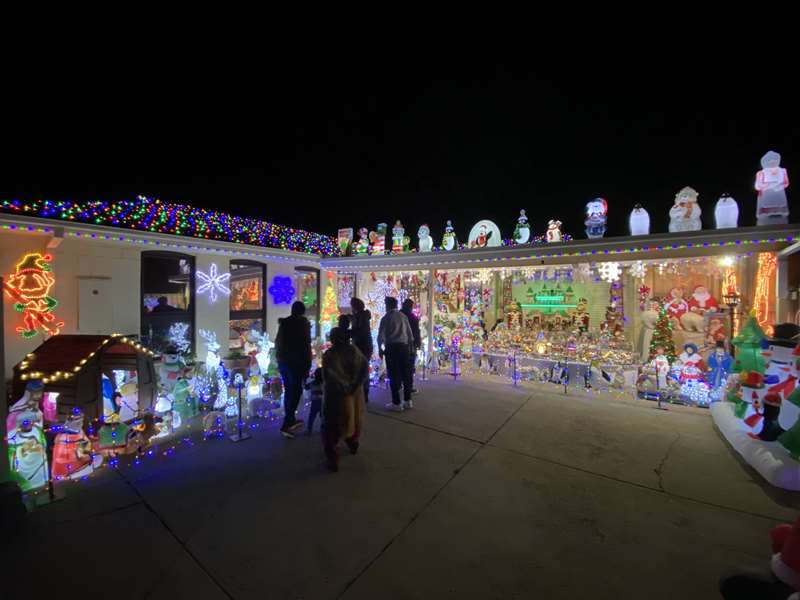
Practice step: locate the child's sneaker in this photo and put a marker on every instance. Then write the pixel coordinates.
(408, 405)
(297, 425)
(394, 407)
(287, 433)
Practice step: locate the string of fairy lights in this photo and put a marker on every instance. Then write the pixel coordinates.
(156, 216)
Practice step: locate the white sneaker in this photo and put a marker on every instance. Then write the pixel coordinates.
(394, 407)
(408, 405)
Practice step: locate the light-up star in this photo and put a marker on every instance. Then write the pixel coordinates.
(213, 282)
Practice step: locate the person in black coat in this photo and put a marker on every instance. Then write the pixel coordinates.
(413, 320)
(361, 334)
(293, 352)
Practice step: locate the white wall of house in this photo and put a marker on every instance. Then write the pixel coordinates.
(98, 287)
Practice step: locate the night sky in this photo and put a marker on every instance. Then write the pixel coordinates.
(329, 145)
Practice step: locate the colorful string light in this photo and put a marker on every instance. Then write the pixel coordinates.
(767, 263)
(153, 215)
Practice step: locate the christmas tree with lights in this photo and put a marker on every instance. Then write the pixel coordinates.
(662, 337)
(330, 307)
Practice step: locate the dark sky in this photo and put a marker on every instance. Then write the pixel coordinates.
(320, 146)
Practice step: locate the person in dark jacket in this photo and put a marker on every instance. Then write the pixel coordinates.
(413, 320)
(293, 352)
(361, 334)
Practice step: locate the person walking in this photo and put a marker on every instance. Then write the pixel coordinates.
(413, 320)
(344, 369)
(293, 352)
(361, 334)
(395, 340)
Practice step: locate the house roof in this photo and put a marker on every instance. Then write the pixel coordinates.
(156, 216)
(62, 356)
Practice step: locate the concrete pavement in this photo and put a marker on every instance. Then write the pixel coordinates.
(482, 491)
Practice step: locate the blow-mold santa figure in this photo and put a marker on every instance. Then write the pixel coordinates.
(596, 214)
(699, 304)
(639, 221)
(771, 182)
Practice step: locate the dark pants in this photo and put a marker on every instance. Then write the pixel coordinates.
(292, 390)
(398, 368)
(316, 406)
(366, 390)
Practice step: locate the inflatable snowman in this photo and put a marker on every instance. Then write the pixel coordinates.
(781, 374)
(726, 213)
(771, 182)
(685, 213)
(639, 221)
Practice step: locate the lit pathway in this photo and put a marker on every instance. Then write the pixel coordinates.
(482, 491)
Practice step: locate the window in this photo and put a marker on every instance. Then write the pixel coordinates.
(167, 297)
(306, 282)
(248, 309)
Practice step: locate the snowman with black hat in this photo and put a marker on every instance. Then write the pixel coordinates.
(781, 374)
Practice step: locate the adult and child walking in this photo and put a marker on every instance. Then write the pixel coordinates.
(339, 390)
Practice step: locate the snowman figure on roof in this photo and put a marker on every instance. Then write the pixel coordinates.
(639, 221)
(553, 231)
(449, 241)
(596, 214)
(522, 232)
(771, 182)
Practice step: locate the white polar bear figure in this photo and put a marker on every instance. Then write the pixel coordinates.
(425, 239)
(726, 213)
(639, 221)
(685, 213)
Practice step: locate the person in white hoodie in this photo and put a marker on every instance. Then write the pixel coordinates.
(395, 342)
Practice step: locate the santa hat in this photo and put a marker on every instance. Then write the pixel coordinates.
(752, 379)
(785, 561)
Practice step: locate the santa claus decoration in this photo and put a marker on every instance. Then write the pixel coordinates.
(702, 301)
(685, 213)
(639, 221)
(771, 182)
(726, 213)
(676, 306)
(699, 303)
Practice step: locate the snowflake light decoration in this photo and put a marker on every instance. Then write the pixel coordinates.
(282, 290)
(638, 269)
(609, 271)
(213, 282)
(179, 337)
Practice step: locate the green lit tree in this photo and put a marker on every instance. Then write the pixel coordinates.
(748, 348)
(662, 336)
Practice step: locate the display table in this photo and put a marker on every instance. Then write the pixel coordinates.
(770, 459)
